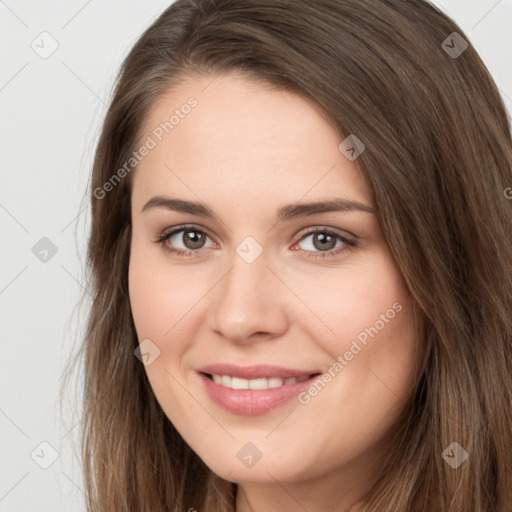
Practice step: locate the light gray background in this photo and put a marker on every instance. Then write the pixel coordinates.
(51, 113)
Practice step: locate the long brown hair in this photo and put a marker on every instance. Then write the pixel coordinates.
(438, 159)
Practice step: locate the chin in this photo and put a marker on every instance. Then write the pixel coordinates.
(265, 470)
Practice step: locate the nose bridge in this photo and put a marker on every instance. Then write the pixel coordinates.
(247, 300)
(244, 286)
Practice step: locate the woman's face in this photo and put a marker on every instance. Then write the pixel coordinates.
(266, 291)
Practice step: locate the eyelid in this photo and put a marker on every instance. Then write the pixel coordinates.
(184, 227)
(321, 228)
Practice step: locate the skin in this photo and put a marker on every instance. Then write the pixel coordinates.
(246, 150)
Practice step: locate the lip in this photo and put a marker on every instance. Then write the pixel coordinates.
(252, 402)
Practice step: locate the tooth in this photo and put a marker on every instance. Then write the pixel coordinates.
(258, 383)
(275, 382)
(237, 383)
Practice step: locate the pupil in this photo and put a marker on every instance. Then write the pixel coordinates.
(190, 235)
(325, 238)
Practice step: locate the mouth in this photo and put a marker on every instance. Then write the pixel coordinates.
(253, 390)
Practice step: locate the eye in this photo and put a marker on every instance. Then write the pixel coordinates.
(192, 237)
(324, 243)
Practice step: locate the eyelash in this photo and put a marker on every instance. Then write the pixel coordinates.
(349, 243)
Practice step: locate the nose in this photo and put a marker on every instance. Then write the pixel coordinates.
(249, 302)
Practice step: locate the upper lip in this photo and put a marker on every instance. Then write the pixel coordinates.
(255, 371)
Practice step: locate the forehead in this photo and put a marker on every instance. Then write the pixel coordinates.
(232, 134)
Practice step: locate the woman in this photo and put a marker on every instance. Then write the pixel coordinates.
(334, 331)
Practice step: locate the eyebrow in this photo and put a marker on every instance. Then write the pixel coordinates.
(284, 213)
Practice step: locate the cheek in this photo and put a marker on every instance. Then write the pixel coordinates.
(160, 295)
(374, 343)
(162, 303)
(167, 305)
(348, 303)
(380, 320)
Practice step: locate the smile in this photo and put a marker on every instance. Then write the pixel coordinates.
(253, 390)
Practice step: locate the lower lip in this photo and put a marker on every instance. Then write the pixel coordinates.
(251, 402)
